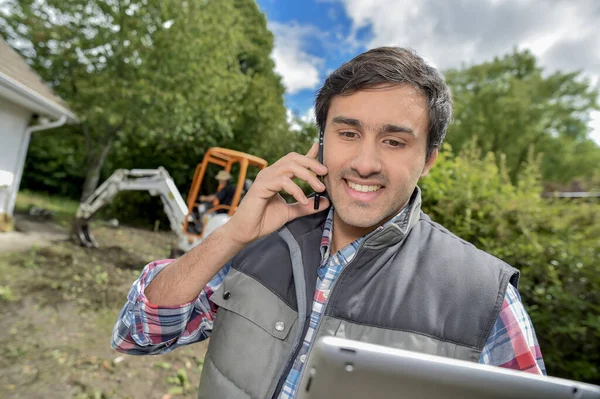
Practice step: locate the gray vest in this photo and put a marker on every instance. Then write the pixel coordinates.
(413, 285)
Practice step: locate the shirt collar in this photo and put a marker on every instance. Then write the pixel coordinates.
(328, 230)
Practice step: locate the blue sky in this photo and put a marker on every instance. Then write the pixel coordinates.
(313, 37)
(318, 30)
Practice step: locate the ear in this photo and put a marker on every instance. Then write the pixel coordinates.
(429, 162)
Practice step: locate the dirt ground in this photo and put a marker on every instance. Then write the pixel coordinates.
(58, 304)
(31, 232)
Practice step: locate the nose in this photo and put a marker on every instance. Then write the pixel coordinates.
(367, 162)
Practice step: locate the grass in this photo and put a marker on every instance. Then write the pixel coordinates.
(59, 304)
(64, 208)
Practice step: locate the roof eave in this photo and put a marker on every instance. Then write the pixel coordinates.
(27, 98)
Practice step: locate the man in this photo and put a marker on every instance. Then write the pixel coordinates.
(370, 267)
(226, 194)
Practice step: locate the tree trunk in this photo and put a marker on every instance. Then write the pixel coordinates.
(95, 163)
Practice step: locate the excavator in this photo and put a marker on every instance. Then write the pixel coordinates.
(191, 220)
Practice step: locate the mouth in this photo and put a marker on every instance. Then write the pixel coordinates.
(362, 192)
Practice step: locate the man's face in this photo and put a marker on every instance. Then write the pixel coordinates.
(374, 147)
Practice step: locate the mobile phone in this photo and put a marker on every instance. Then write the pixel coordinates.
(320, 159)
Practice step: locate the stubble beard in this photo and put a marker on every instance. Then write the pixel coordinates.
(356, 213)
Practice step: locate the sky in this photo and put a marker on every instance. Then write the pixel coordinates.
(314, 37)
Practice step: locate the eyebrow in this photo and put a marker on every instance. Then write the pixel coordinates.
(387, 128)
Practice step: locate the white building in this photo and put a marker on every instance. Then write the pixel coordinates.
(23, 95)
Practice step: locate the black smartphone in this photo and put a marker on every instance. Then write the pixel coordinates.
(320, 159)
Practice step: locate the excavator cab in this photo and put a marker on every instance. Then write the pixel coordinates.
(184, 219)
(214, 216)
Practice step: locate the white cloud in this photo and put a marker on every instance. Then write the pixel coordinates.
(299, 69)
(308, 116)
(454, 32)
(563, 34)
(294, 126)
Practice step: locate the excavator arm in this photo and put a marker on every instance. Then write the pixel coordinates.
(155, 181)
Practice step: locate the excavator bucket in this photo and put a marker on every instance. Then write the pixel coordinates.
(82, 233)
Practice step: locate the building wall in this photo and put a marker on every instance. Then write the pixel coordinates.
(13, 148)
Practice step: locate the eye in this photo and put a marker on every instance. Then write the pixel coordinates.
(349, 135)
(394, 143)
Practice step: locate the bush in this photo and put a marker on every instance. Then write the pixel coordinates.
(553, 242)
(136, 209)
(55, 163)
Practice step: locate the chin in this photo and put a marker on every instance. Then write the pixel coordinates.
(355, 219)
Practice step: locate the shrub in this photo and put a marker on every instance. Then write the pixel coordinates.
(554, 243)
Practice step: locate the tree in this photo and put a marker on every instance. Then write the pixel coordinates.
(158, 75)
(261, 124)
(510, 104)
(91, 53)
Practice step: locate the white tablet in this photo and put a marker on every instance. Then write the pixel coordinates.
(344, 369)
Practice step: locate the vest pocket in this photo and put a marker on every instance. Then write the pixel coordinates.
(249, 299)
(252, 337)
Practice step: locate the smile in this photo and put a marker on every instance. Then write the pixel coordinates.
(362, 188)
(364, 193)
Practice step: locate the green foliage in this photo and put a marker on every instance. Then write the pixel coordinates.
(63, 208)
(554, 243)
(510, 104)
(6, 294)
(154, 84)
(180, 383)
(156, 75)
(137, 208)
(54, 163)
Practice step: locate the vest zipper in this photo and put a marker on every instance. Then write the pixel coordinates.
(277, 391)
(290, 363)
(287, 371)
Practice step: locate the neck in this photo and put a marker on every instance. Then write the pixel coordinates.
(343, 233)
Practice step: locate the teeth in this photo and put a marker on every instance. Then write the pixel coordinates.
(361, 188)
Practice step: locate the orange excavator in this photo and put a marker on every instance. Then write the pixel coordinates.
(191, 220)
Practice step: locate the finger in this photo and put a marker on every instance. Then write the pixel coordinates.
(313, 151)
(296, 170)
(306, 162)
(298, 210)
(294, 190)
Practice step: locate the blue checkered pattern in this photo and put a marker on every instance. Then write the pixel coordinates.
(330, 268)
(144, 328)
(512, 343)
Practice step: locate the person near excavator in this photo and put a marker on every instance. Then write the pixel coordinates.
(226, 194)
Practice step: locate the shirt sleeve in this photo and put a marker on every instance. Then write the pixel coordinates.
(512, 343)
(143, 328)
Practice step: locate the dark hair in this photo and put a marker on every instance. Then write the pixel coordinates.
(391, 66)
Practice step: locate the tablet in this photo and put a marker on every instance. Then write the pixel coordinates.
(341, 368)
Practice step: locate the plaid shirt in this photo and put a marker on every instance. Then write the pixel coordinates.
(143, 328)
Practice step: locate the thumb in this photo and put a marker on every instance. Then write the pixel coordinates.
(297, 210)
